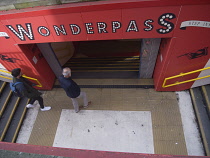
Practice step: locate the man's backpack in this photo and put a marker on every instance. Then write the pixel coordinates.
(15, 91)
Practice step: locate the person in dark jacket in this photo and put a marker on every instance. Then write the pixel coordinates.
(72, 89)
(27, 90)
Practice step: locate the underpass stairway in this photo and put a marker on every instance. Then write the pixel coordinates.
(12, 113)
(201, 102)
(104, 67)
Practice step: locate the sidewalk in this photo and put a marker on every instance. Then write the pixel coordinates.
(167, 129)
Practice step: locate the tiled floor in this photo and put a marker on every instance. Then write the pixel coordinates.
(166, 119)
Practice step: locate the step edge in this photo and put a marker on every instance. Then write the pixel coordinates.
(9, 119)
(103, 70)
(207, 98)
(203, 135)
(19, 124)
(5, 103)
(2, 87)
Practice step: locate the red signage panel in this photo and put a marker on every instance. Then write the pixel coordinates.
(193, 21)
(149, 22)
(67, 27)
(29, 30)
(103, 25)
(96, 25)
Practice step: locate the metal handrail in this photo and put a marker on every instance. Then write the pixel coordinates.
(184, 74)
(39, 84)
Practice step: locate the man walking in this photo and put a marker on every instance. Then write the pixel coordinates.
(26, 89)
(72, 89)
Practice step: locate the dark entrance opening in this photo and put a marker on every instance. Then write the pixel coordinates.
(102, 59)
(108, 59)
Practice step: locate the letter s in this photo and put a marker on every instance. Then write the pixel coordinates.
(169, 26)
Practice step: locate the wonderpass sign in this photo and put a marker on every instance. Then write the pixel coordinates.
(162, 24)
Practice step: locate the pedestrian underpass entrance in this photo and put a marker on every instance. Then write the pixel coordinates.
(169, 21)
(102, 59)
(105, 59)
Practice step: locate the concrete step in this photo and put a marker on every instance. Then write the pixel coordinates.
(7, 115)
(206, 94)
(16, 121)
(2, 85)
(5, 97)
(12, 112)
(111, 65)
(199, 104)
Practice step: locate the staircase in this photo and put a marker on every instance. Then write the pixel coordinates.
(12, 112)
(104, 67)
(201, 102)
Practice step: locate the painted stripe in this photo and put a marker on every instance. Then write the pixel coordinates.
(19, 124)
(5, 103)
(9, 119)
(2, 87)
(190, 127)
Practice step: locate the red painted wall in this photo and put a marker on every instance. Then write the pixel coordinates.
(44, 73)
(110, 20)
(188, 40)
(13, 56)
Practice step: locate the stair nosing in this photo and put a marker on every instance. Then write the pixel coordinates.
(5, 103)
(19, 124)
(207, 98)
(2, 87)
(9, 119)
(200, 122)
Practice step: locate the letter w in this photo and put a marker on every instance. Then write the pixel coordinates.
(21, 31)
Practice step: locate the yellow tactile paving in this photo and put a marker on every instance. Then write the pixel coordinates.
(168, 133)
(166, 119)
(113, 82)
(172, 147)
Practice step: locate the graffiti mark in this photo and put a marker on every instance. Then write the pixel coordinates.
(40, 55)
(6, 58)
(197, 54)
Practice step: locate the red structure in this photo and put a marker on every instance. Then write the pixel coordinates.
(79, 153)
(183, 26)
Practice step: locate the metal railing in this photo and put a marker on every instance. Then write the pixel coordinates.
(184, 74)
(10, 78)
